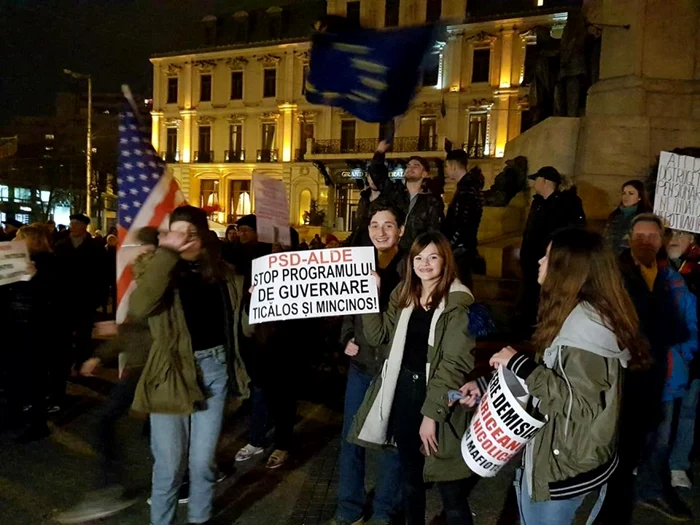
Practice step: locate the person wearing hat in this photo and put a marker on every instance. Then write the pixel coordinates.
(11, 228)
(554, 207)
(82, 262)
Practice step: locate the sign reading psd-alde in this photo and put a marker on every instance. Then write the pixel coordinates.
(313, 283)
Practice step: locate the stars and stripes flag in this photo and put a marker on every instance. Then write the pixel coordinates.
(147, 193)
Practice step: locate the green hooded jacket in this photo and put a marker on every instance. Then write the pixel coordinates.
(450, 360)
(169, 383)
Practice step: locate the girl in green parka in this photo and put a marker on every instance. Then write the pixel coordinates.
(191, 300)
(429, 351)
(589, 333)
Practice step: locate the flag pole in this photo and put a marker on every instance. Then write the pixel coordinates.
(126, 90)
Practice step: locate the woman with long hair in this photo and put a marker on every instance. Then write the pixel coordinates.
(633, 201)
(30, 309)
(191, 299)
(425, 331)
(587, 334)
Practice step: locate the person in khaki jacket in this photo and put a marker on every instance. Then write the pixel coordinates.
(425, 334)
(191, 299)
(589, 333)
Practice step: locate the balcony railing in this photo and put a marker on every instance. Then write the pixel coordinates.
(476, 151)
(400, 144)
(234, 155)
(203, 157)
(170, 157)
(267, 155)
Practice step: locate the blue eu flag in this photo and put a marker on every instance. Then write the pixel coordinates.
(369, 73)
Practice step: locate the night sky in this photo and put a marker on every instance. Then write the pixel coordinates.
(111, 39)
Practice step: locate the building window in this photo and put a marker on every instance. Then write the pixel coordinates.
(22, 195)
(205, 88)
(171, 145)
(431, 73)
(304, 206)
(478, 126)
(529, 65)
(270, 83)
(239, 202)
(481, 64)
(427, 134)
(205, 154)
(49, 136)
(235, 144)
(22, 217)
(4, 193)
(391, 13)
(172, 90)
(209, 195)
(306, 132)
(353, 13)
(236, 85)
(347, 136)
(305, 75)
(268, 135)
(386, 130)
(433, 10)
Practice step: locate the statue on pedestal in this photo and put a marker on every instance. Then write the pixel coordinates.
(541, 96)
(508, 183)
(573, 72)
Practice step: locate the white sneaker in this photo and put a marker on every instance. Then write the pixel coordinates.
(248, 452)
(679, 479)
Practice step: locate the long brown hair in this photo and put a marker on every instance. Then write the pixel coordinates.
(581, 268)
(412, 286)
(36, 238)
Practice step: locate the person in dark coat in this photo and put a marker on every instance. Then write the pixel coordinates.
(379, 184)
(553, 208)
(11, 227)
(426, 210)
(463, 217)
(83, 265)
(29, 309)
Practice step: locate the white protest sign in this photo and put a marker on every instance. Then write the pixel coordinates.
(313, 283)
(14, 263)
(271, 210)
(500, 428)
(677, 197)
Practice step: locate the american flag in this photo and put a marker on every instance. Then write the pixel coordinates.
(147, 194)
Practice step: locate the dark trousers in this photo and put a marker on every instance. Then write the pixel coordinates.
(465, 264)
(406, 420)
(272, 406)
(117, 406)
(26, 384)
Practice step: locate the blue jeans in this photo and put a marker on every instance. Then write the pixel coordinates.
(552, 512)
(351, 491)
(680, 453)
(174, 438)
(653, 472)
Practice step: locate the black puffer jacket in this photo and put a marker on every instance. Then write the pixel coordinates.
(560, 210)
(464, 214)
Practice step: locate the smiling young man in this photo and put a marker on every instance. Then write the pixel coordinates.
(386, 226)
(426, 210)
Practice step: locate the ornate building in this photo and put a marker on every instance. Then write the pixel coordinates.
(223, 113)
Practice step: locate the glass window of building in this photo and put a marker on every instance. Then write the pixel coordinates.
(427, 137)
(391, 13)
(172, 90)
(205, 88)
(270, 83)
(481, 65)
(353, 12)
(433, 10)
(236, 85)
(347, 135)
(239, 199)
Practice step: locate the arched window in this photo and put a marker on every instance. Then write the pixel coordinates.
(304, 206)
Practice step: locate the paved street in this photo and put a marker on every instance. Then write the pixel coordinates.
(39, 480)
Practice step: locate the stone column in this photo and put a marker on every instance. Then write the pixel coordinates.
(156, 119)
(187, 143)
(287, 124)
(505, 77)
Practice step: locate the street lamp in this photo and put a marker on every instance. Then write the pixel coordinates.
(88, 151)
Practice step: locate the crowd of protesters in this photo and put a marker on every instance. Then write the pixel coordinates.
(612, 318)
